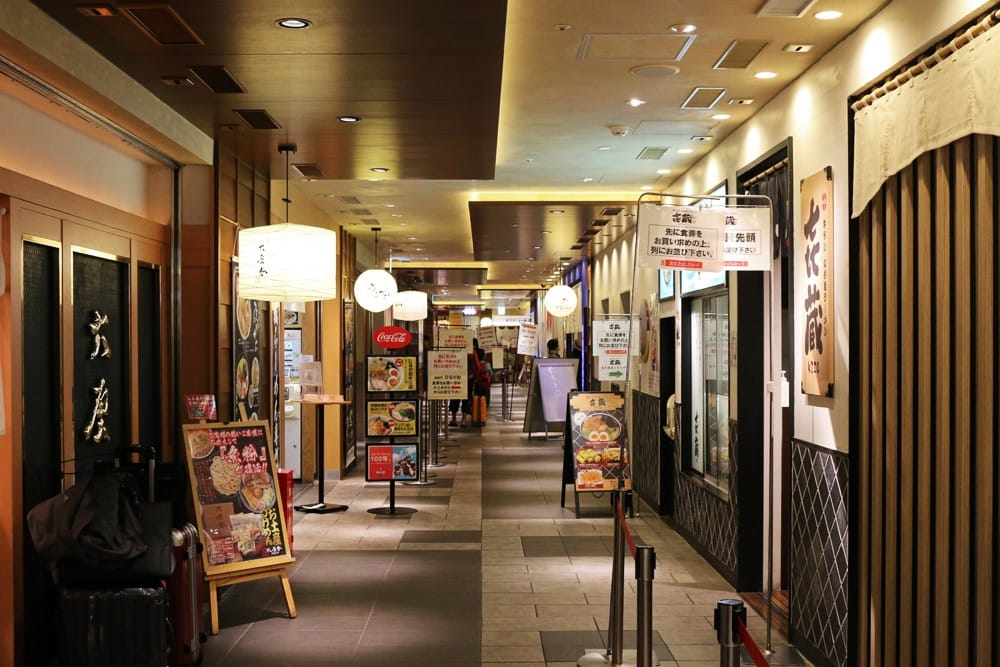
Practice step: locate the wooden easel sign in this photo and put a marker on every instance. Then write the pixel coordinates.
(240, 521)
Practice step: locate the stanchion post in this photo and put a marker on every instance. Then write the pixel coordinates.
(645, 564)
(727, 613)
(617, 616)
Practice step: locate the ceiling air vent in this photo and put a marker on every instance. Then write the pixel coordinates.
(372, 221)
(612, 211)
(360, 211)
(96, 11)
(576, 246)
(651, 153)
(161, 23)
(258, 119)
(217, 78)
(703, 98)
(740, 54)
(599, 223)
(784, 9)
(348, 199)
(309, 170)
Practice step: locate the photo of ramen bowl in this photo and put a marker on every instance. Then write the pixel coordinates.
(242, 378)
(244, 318)
(199, 444)
(257, 492)
(378, 426)
(404, 412)
(600, 427)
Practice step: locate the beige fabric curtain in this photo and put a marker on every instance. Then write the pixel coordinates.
(946, 96)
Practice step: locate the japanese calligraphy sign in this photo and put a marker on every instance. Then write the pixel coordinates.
(681, 237)
(447, 374)
(234, 486)
(600, 441)
(817, 302)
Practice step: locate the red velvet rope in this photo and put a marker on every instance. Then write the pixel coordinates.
(758, 657)
(628, 535)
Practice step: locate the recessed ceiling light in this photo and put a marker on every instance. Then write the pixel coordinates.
(765, 75)
(402, 224)
(563, 27)
(646, 187)
(349, 119)
(396, 215)
(684, 28)
(662, 171)
(828, 15)
(546, 231)
(390, 206)
(655, 70)
(412, 238)
(636, 102)
(721, 116)
(380, 170)
(587, 179)
(605, 148)
(557, 211)
(292, 23)
(685, 151)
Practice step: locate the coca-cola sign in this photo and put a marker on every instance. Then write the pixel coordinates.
(392, 338)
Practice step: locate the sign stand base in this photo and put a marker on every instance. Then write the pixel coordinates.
(392, 509)
(217, 581)
(320, 508)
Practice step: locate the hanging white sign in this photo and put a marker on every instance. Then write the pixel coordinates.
(748, 239)
(681, 237)
(612, 369)
(527, 339)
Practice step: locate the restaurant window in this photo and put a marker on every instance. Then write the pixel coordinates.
(707, 380)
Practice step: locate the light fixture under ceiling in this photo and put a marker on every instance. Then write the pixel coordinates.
(293, 23)
(683, 28)
(828, 15)
(560, 301)
(375, 289)
(349, 119)
(287, 262)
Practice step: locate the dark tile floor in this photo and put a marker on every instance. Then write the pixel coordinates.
(490, 569)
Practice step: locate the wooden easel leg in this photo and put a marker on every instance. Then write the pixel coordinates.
(289, 602)
(213, 605)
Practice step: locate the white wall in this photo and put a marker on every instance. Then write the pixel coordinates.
(813, 111)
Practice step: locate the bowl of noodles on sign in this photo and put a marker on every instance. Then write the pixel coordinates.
(601, 427)
(257, 492)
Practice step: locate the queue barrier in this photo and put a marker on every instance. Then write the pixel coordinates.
(645, 564)
(731, 631)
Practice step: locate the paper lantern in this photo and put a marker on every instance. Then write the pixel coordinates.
(375, 289)
(486, 322)
(409, 306)
(288, 262)
(560, 301)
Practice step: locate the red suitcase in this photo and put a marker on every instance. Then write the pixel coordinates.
(184, 588)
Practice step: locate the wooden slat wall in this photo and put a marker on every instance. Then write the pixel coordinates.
(926, 307)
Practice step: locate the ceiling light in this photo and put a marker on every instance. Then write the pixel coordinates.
(546, 231)
(655, 70)
(646, 187)
(828, 15)
(636, 102)
(721, 116)
(684, 28)
(741, 101)
(409, 306)
(537, 247)
(380, 170)
(685, 151)
(411, 238)
(349, 119)
(560, 301)
(765, 75)
(390, 206)
(375, 289)
(292, 23)
(605, 148)
(557, 211)
(662, 171)
(587, 179)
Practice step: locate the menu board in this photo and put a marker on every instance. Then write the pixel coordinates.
(387, 418)
(391, 463)
(454, 338)
(527, 339)
(233, 483)
(246, 354)
(447, 374)
(392, 373)
(599, 440)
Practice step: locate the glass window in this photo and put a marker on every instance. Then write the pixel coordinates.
(709, 425)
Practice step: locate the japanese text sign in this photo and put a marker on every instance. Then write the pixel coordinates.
(447, 374)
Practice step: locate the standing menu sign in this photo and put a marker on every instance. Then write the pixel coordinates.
(232, 472)
(391, 463)
(599, 440)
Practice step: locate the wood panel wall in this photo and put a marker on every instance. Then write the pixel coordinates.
(926, 310)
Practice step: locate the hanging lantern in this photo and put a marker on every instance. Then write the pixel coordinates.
(409, 306)
(287, 262)
(560, 301)
(375, 290)
(486, 322)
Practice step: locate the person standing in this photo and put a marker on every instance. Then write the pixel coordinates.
(552, 348)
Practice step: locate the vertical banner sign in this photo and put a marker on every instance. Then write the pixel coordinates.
(681, 237)
(487, 337)
(527, 339)
(817, 304)
(447, 374)
(748, 239)
(350, 434)
(246, 354)
(600, 441)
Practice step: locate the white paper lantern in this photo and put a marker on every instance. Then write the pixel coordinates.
(375, 289)
(486, 322)
(288, 262)
(409, 306)
(560, 301)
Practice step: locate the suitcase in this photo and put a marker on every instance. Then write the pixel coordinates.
(125, 627)
(479, 411)
(184, 588)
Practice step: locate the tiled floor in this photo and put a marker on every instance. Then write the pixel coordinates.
(489, 570)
